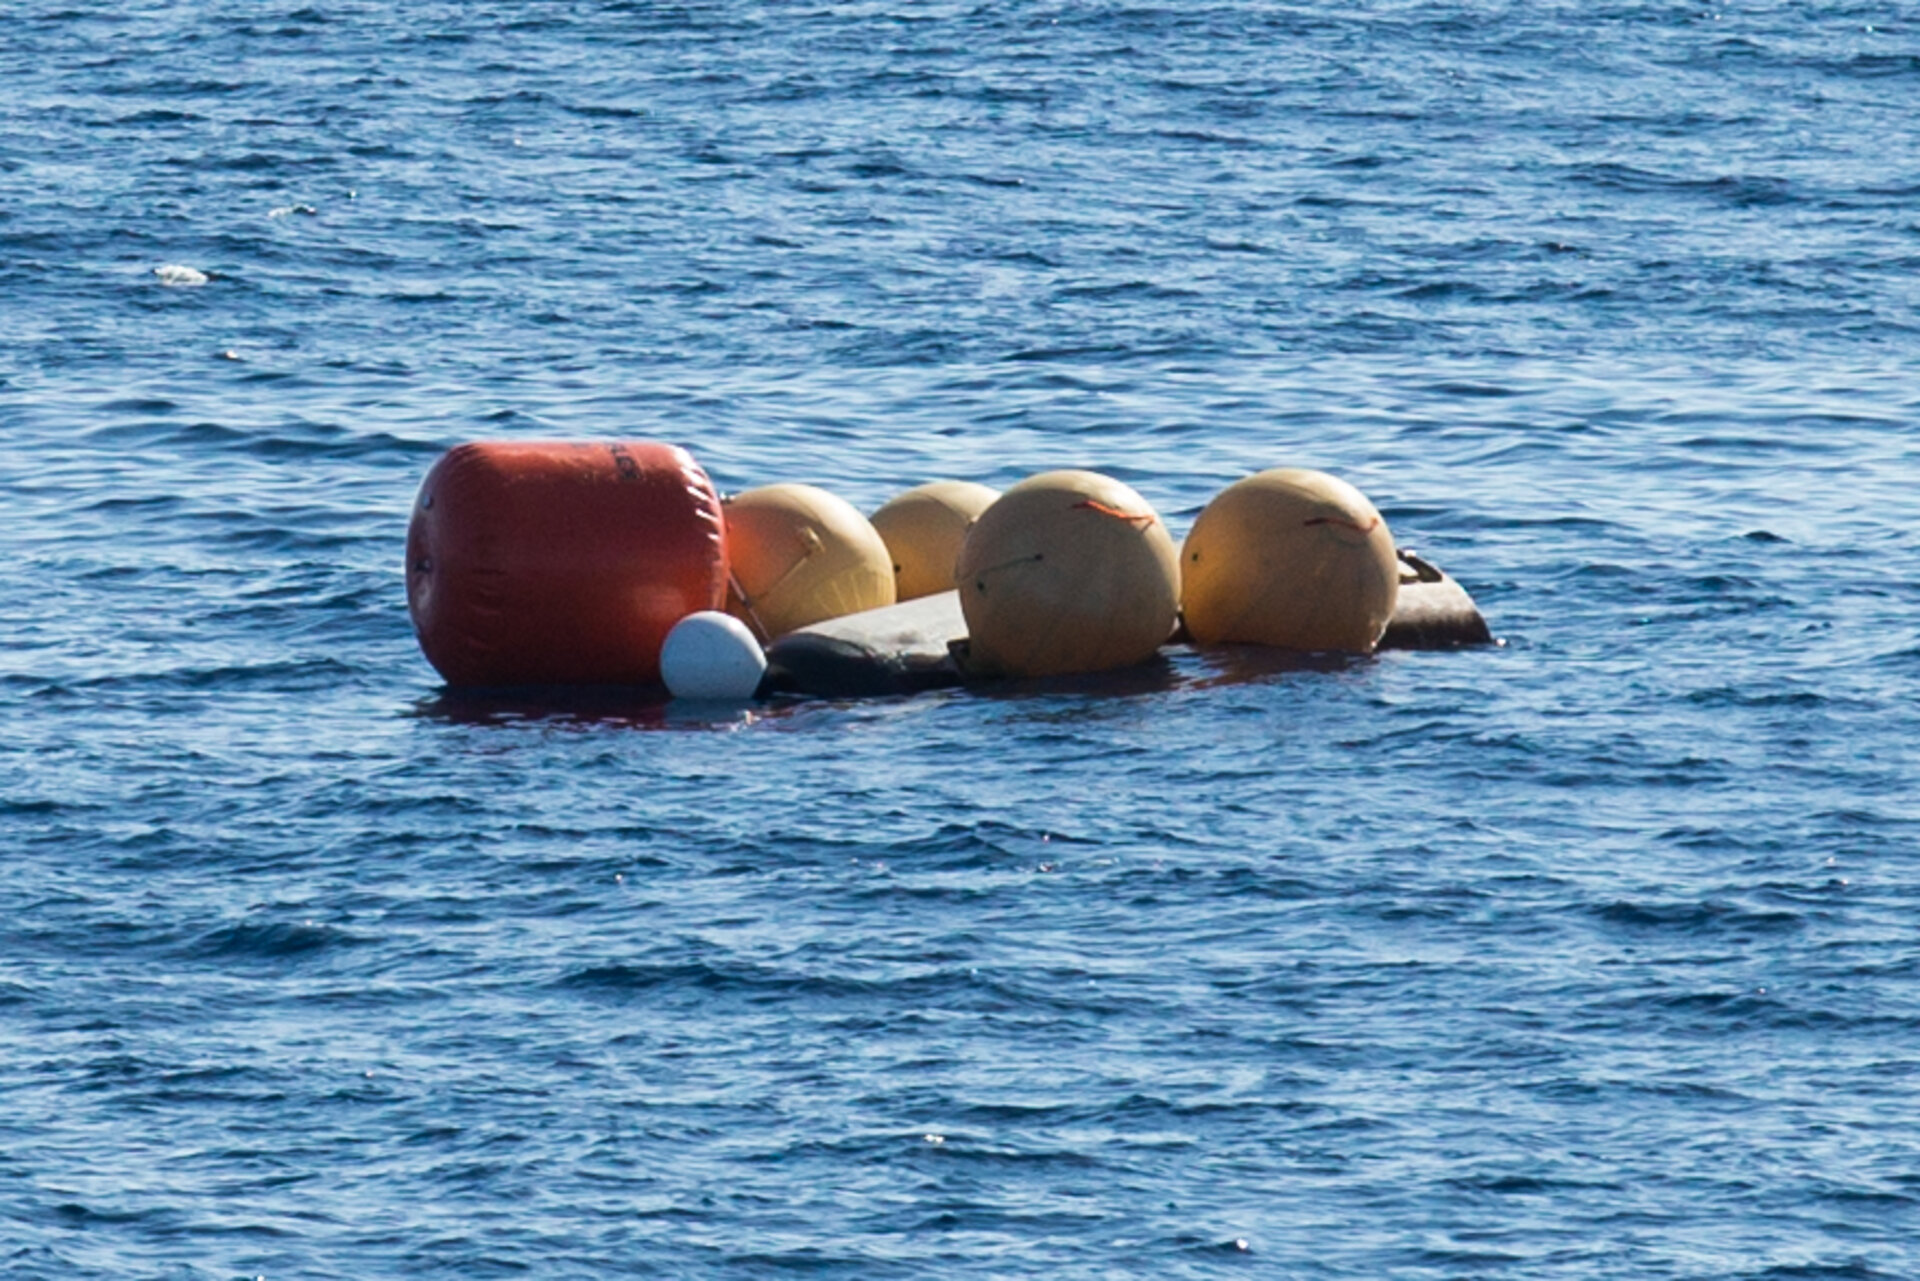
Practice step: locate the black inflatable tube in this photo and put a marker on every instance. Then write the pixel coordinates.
(920, 644)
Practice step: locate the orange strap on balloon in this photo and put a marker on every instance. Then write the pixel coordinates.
(1142, 519)
(1367, 528)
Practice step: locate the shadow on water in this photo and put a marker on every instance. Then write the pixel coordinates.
(643, 707)
(650, 707)
(1222, 666)
(1175, 668)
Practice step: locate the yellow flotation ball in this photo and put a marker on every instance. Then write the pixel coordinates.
(1291, 558)
(800, 555)
(1068, 571)
(924, 530)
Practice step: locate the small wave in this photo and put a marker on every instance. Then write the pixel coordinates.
(172, 87)
(1442, 289)
(139, 405)
(1474, 391)
(293, 440)
(1237, 246)
(1206, 138)
(1737, 190)
(529, 97)
(631, 978)
(300, 543)
(133, 507)
(1851, 1270)
(1728, 696)
(220, 1084)
(598, 111)
(1327, 200)
(272, 941)
(78, 1215)
(975, 844)
(1907, 656)
(1527, 1185)
(36, 240)
(1695, 919)
(1059, 992)
(288, 676)
(878, 168)
(1868, 1198)
(158, 116)
(1125, 289)
(1068, 354)
(1474, 1262)
(1879, 66)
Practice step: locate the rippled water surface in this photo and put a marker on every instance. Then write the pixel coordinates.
(1593, 955)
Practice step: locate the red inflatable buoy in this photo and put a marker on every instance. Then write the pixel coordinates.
(557, 563)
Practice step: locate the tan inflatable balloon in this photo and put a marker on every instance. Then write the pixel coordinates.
(1291, 558)
(800, 555)
(924, 530)
(1069, 571)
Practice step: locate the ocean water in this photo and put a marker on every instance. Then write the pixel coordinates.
(1593, 955)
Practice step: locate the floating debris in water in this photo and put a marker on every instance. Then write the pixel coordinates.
(173, 273)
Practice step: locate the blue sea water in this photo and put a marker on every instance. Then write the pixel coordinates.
(1591, 956)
